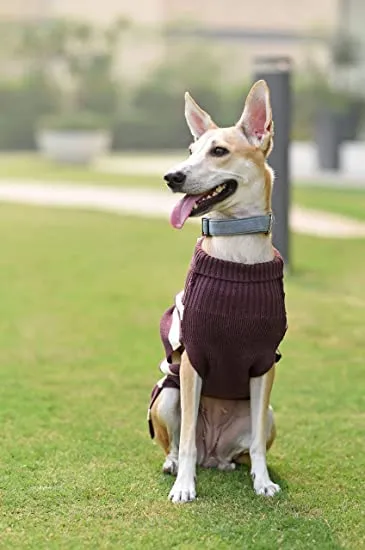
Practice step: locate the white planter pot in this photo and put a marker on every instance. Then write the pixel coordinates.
(74, 146)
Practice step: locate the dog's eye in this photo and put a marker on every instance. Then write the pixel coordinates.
(219, 151)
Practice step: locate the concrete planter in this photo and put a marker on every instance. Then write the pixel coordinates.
(73, 146)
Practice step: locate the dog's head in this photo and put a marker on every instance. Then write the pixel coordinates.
(226, 171)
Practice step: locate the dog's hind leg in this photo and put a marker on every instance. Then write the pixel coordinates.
(165, 416)
(243, 457)
(260, 389)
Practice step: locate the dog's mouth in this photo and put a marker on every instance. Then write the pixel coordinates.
(196, 205)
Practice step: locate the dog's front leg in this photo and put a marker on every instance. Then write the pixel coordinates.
(260, 390)
(190, 389)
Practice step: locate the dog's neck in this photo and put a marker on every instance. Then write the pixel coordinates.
(245, 249)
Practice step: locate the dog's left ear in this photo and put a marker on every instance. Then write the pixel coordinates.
(256, 120)
(198, 120)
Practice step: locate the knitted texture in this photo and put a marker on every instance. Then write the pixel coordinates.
(230, 319)
(234, 320)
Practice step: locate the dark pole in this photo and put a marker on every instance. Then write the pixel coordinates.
(276, 71)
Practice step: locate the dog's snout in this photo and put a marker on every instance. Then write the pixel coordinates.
(175, 179)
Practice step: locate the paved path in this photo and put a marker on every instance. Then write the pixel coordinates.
(158, 204)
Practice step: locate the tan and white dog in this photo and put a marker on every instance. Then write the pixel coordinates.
(242, 431)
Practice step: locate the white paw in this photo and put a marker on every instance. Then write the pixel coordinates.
(226, 466)
(264, 486)
(170, 466)
(183, 491)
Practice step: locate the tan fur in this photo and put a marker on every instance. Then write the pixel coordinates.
(238, 145)
(161, 432)
(244, 458)
(214, 432)
(268, 189)
(188, 391)
(236, 412)
(269, 381)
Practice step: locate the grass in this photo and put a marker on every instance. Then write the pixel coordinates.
(347, 202)
(34, 167)
(79, 348)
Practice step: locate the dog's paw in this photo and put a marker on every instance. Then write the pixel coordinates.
(182, 491)
(226, 466)
(170, 466)
(264, 486)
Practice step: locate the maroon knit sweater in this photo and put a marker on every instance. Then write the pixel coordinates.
(233, 321)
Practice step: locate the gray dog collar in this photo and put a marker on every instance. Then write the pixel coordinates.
(237, 226)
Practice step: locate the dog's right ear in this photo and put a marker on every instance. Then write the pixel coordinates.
(198, 120)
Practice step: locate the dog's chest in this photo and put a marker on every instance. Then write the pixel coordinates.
(233, 322)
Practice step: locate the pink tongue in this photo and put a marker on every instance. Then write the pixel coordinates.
(182, 210)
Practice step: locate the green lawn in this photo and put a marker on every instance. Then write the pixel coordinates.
(33, 167)
(348, 202)
(81, 299)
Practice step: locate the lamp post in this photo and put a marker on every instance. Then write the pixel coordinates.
(276, 71)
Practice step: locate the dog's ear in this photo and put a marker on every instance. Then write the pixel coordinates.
(256, 120)
(198, 120)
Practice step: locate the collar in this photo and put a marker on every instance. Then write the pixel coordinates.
(237, 226)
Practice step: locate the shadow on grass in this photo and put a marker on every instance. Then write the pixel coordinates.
(256, 521)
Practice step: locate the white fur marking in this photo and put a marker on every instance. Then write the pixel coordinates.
(174, 332)
(179, 304)
(259, 416)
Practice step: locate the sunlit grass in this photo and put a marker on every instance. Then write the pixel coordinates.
(82, 295)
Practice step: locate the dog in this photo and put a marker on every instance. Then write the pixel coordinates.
(221, 337)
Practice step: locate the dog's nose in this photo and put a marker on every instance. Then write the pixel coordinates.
(175, 179)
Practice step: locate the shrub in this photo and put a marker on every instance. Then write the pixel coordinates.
(82, 121)
(64, 65)
(22, 102)
(155, 119)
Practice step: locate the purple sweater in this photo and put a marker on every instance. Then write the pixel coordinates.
(233, 322)
(230, 319)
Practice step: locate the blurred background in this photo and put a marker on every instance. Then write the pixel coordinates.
(125, 65)
(91, 117)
